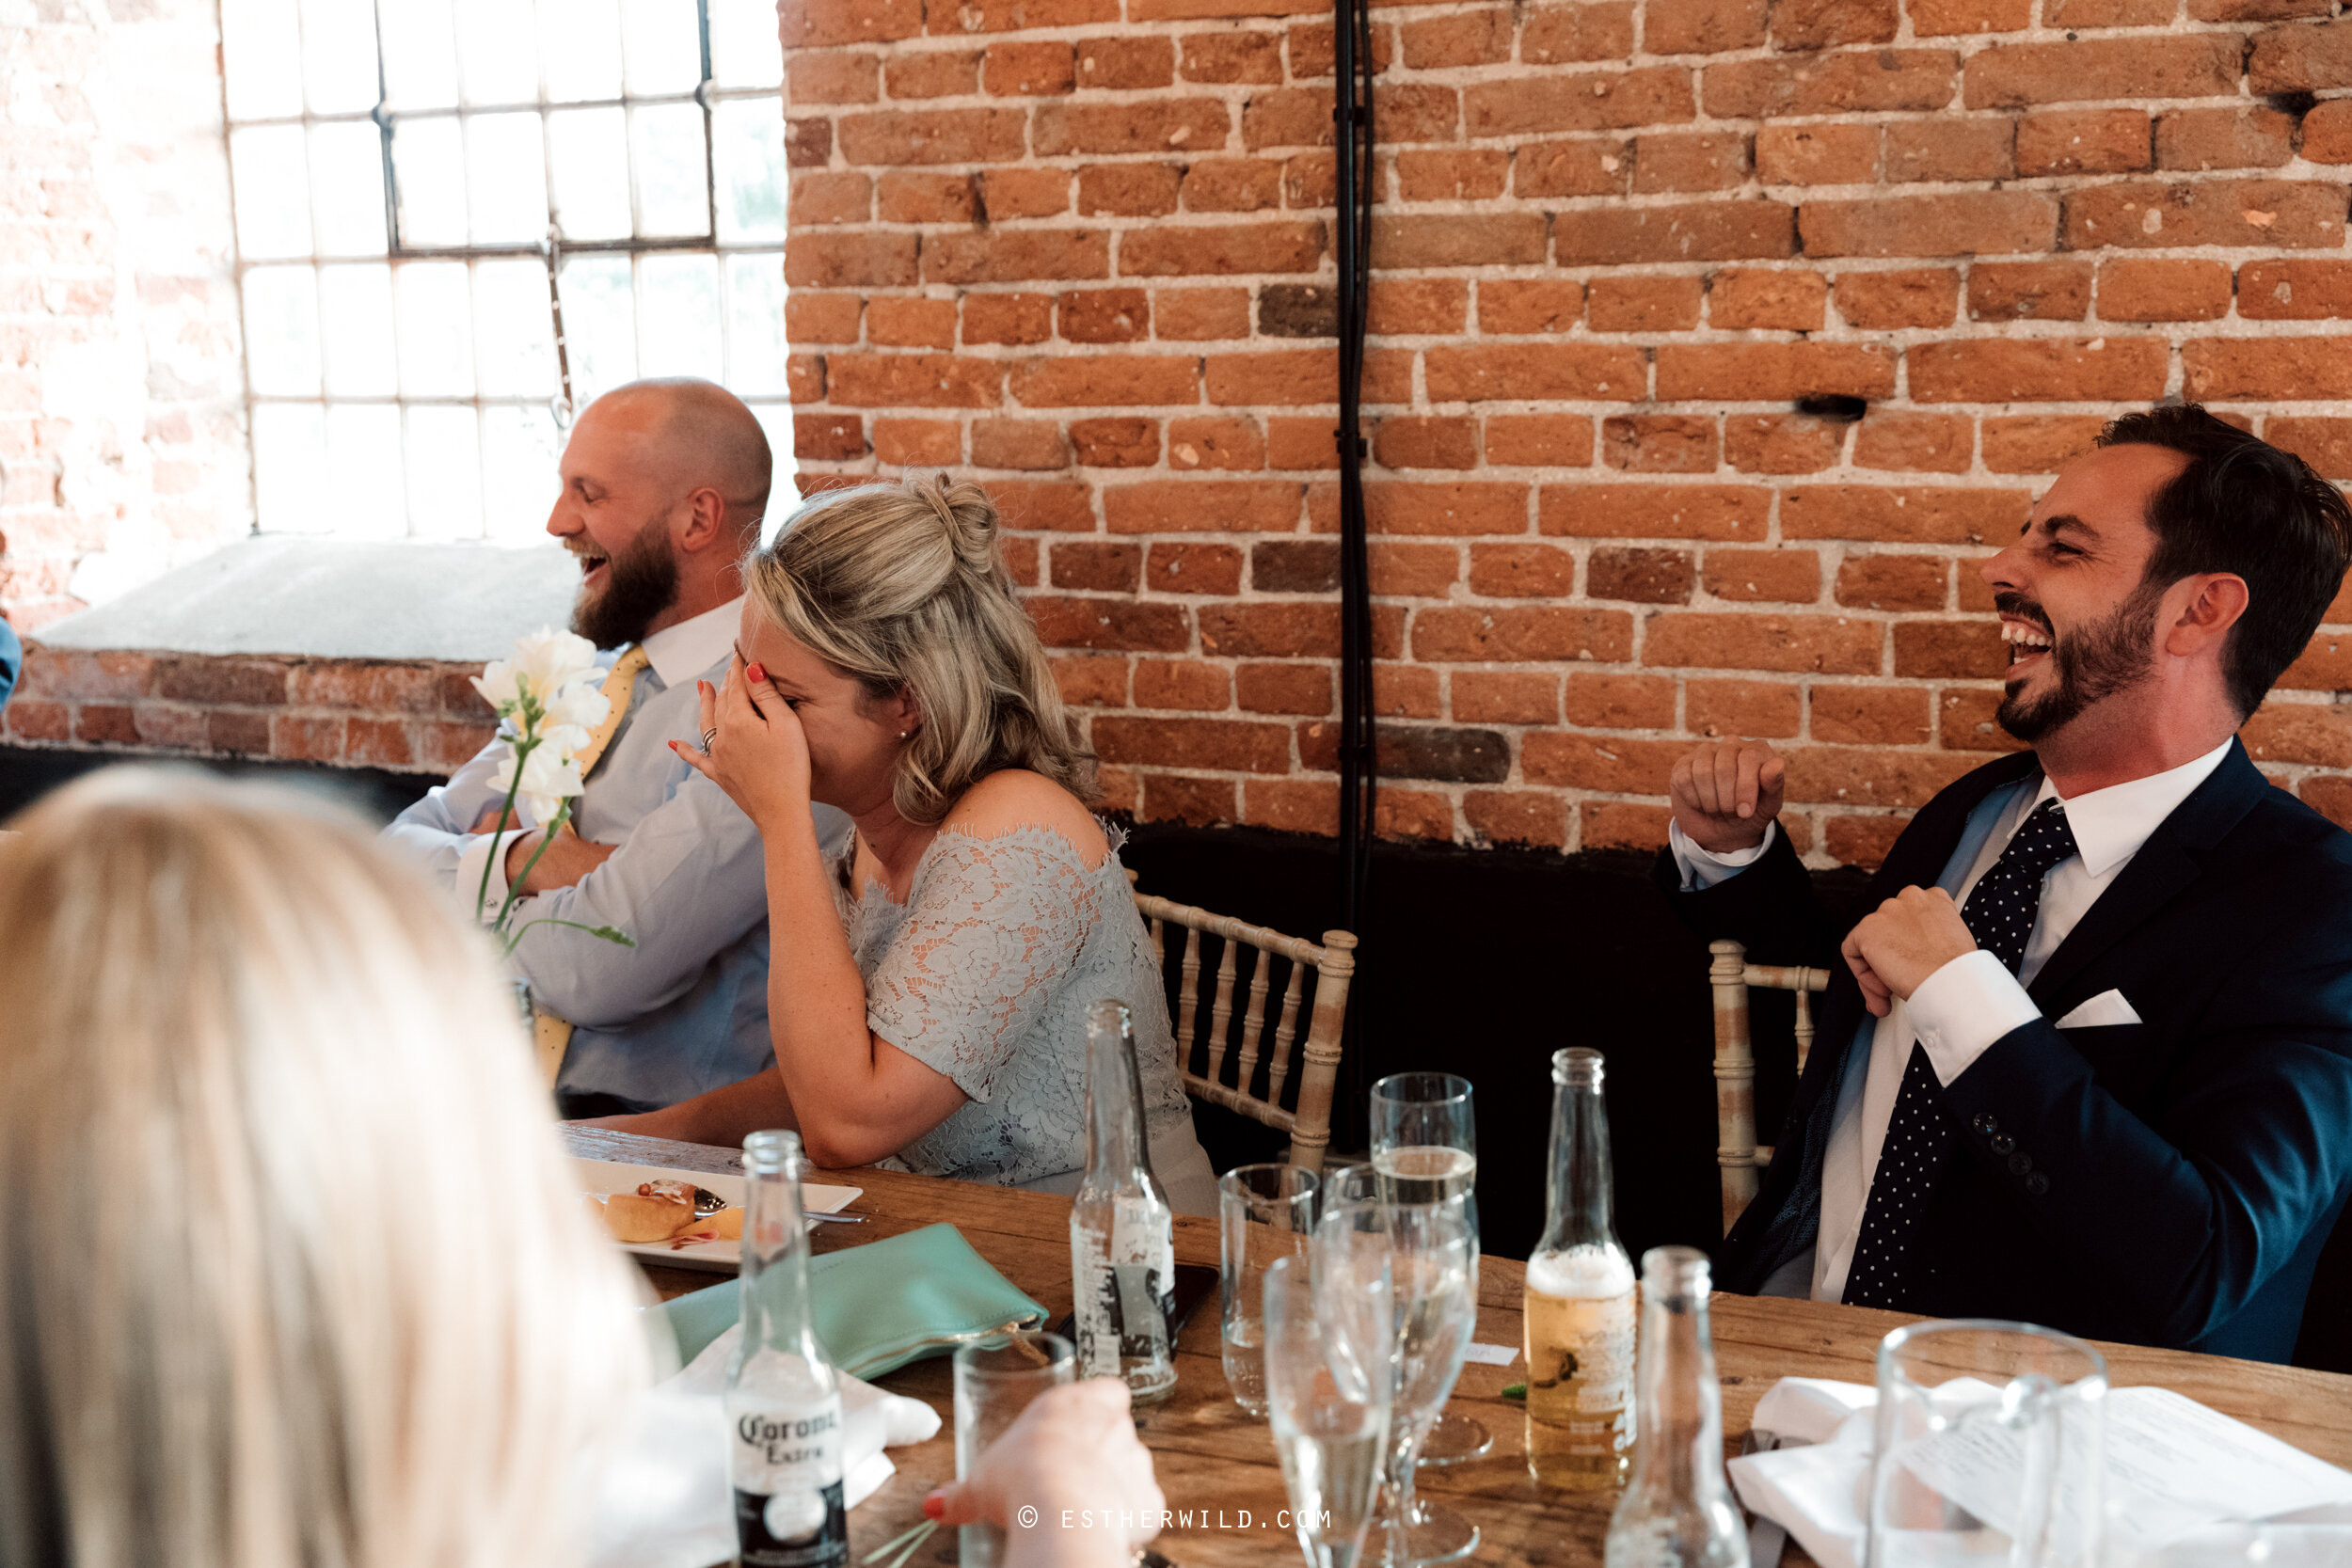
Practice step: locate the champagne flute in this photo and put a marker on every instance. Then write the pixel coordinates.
(1424, 1145)
(1331, 1422)
(1433, 1308)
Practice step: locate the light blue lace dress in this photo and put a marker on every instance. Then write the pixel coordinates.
(985, 974)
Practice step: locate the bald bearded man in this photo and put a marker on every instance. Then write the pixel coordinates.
(664, 486)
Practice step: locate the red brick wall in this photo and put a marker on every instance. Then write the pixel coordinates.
(122, 448)
(1083, 252)
(408, 717)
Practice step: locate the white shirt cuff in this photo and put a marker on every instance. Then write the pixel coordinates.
(1963, 1007)
(470, 864)
(1702, 868)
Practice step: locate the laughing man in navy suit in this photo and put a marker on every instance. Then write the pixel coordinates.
(2089, 1064)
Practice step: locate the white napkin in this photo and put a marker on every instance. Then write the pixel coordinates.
(663, 1500)
(2182, 1480)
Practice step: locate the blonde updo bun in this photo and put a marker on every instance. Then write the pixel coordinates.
(901, 585)
(969, 520)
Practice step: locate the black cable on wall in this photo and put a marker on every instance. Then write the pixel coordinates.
(1358, 752)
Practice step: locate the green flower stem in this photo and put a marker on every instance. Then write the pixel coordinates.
(506, 813)
(608, 933)
(547, 837)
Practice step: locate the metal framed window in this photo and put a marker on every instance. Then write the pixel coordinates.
(459, 219)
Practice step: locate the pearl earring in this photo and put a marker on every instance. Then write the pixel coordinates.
(903, 734)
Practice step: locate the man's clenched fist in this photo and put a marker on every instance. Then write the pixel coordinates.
(1725, 793)
(1894, 949)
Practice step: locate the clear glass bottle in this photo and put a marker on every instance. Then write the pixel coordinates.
(1677, 1510)
(1122, 1234)
(783, 1397)
(1579, 1312)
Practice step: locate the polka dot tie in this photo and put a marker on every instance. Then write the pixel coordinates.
(2000, 913)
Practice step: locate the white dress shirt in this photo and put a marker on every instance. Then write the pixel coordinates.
(686, 1009)
(1960, 1009)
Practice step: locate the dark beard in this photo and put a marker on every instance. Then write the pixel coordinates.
(2108, 656)
(640, 583)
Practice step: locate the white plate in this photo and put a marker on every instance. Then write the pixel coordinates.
(605, 1178)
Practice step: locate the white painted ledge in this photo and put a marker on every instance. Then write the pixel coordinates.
(337, 599)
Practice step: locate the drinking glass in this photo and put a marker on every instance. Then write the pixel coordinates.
(1425, 1141)
(1263, 1212)
(1330, 1422)
(1987, 1447)
(995, 1378)
(1429, 1254)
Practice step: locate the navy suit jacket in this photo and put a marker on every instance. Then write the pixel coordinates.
(2164, 1182)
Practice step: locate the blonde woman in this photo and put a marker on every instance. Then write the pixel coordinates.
(294, 1273)
(927, 992)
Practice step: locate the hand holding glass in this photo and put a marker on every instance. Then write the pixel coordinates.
(995, 1380)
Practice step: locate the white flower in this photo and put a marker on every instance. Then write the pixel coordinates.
(549, 776)
(581, 705)
(551, 660)
(497, 685)
(557, 671)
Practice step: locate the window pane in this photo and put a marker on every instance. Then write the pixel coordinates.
(290, 486)
(599, 323)
(498, 52)
(590, 148)
(748, 138)
(347, 188)
(356, 313)
(519, 448)
(579, 43)
(514, 335)
(444, 453)
(272, 191)
(677, 316)
(420, 54)
(755, 347)
(745, 51)
(506, 179)
(435, 319)
(664, 45)
(429, 171)
(260, 42)
(338, 55)
(667, 141)
(282, 331)
(775, 419)
(363, 454)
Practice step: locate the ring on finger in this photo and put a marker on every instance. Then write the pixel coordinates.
(710, 739)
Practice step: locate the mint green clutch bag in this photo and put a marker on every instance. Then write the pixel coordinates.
(882, 1305)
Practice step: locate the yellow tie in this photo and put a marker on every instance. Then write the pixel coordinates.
(552, 1035)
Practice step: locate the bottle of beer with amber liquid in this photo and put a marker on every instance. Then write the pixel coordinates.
(1579, 1299)
(783, 1399)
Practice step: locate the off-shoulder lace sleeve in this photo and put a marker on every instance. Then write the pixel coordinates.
(992, 925)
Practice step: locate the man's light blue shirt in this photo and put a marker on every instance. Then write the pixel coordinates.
(686, 1010)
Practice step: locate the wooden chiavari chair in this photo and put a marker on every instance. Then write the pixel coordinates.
(1732, 976)
(1334, 964)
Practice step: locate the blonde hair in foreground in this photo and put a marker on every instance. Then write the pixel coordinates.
(295, 1274)
(901, 585)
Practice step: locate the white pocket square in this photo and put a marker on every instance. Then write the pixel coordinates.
(2106, 1007)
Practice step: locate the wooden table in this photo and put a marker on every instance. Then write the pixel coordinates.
(1219, 1464)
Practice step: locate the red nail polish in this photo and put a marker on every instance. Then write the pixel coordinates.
(756, 673)
(933, 1506)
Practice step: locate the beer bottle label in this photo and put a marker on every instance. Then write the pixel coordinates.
(787, 1473)
(792, 1530)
